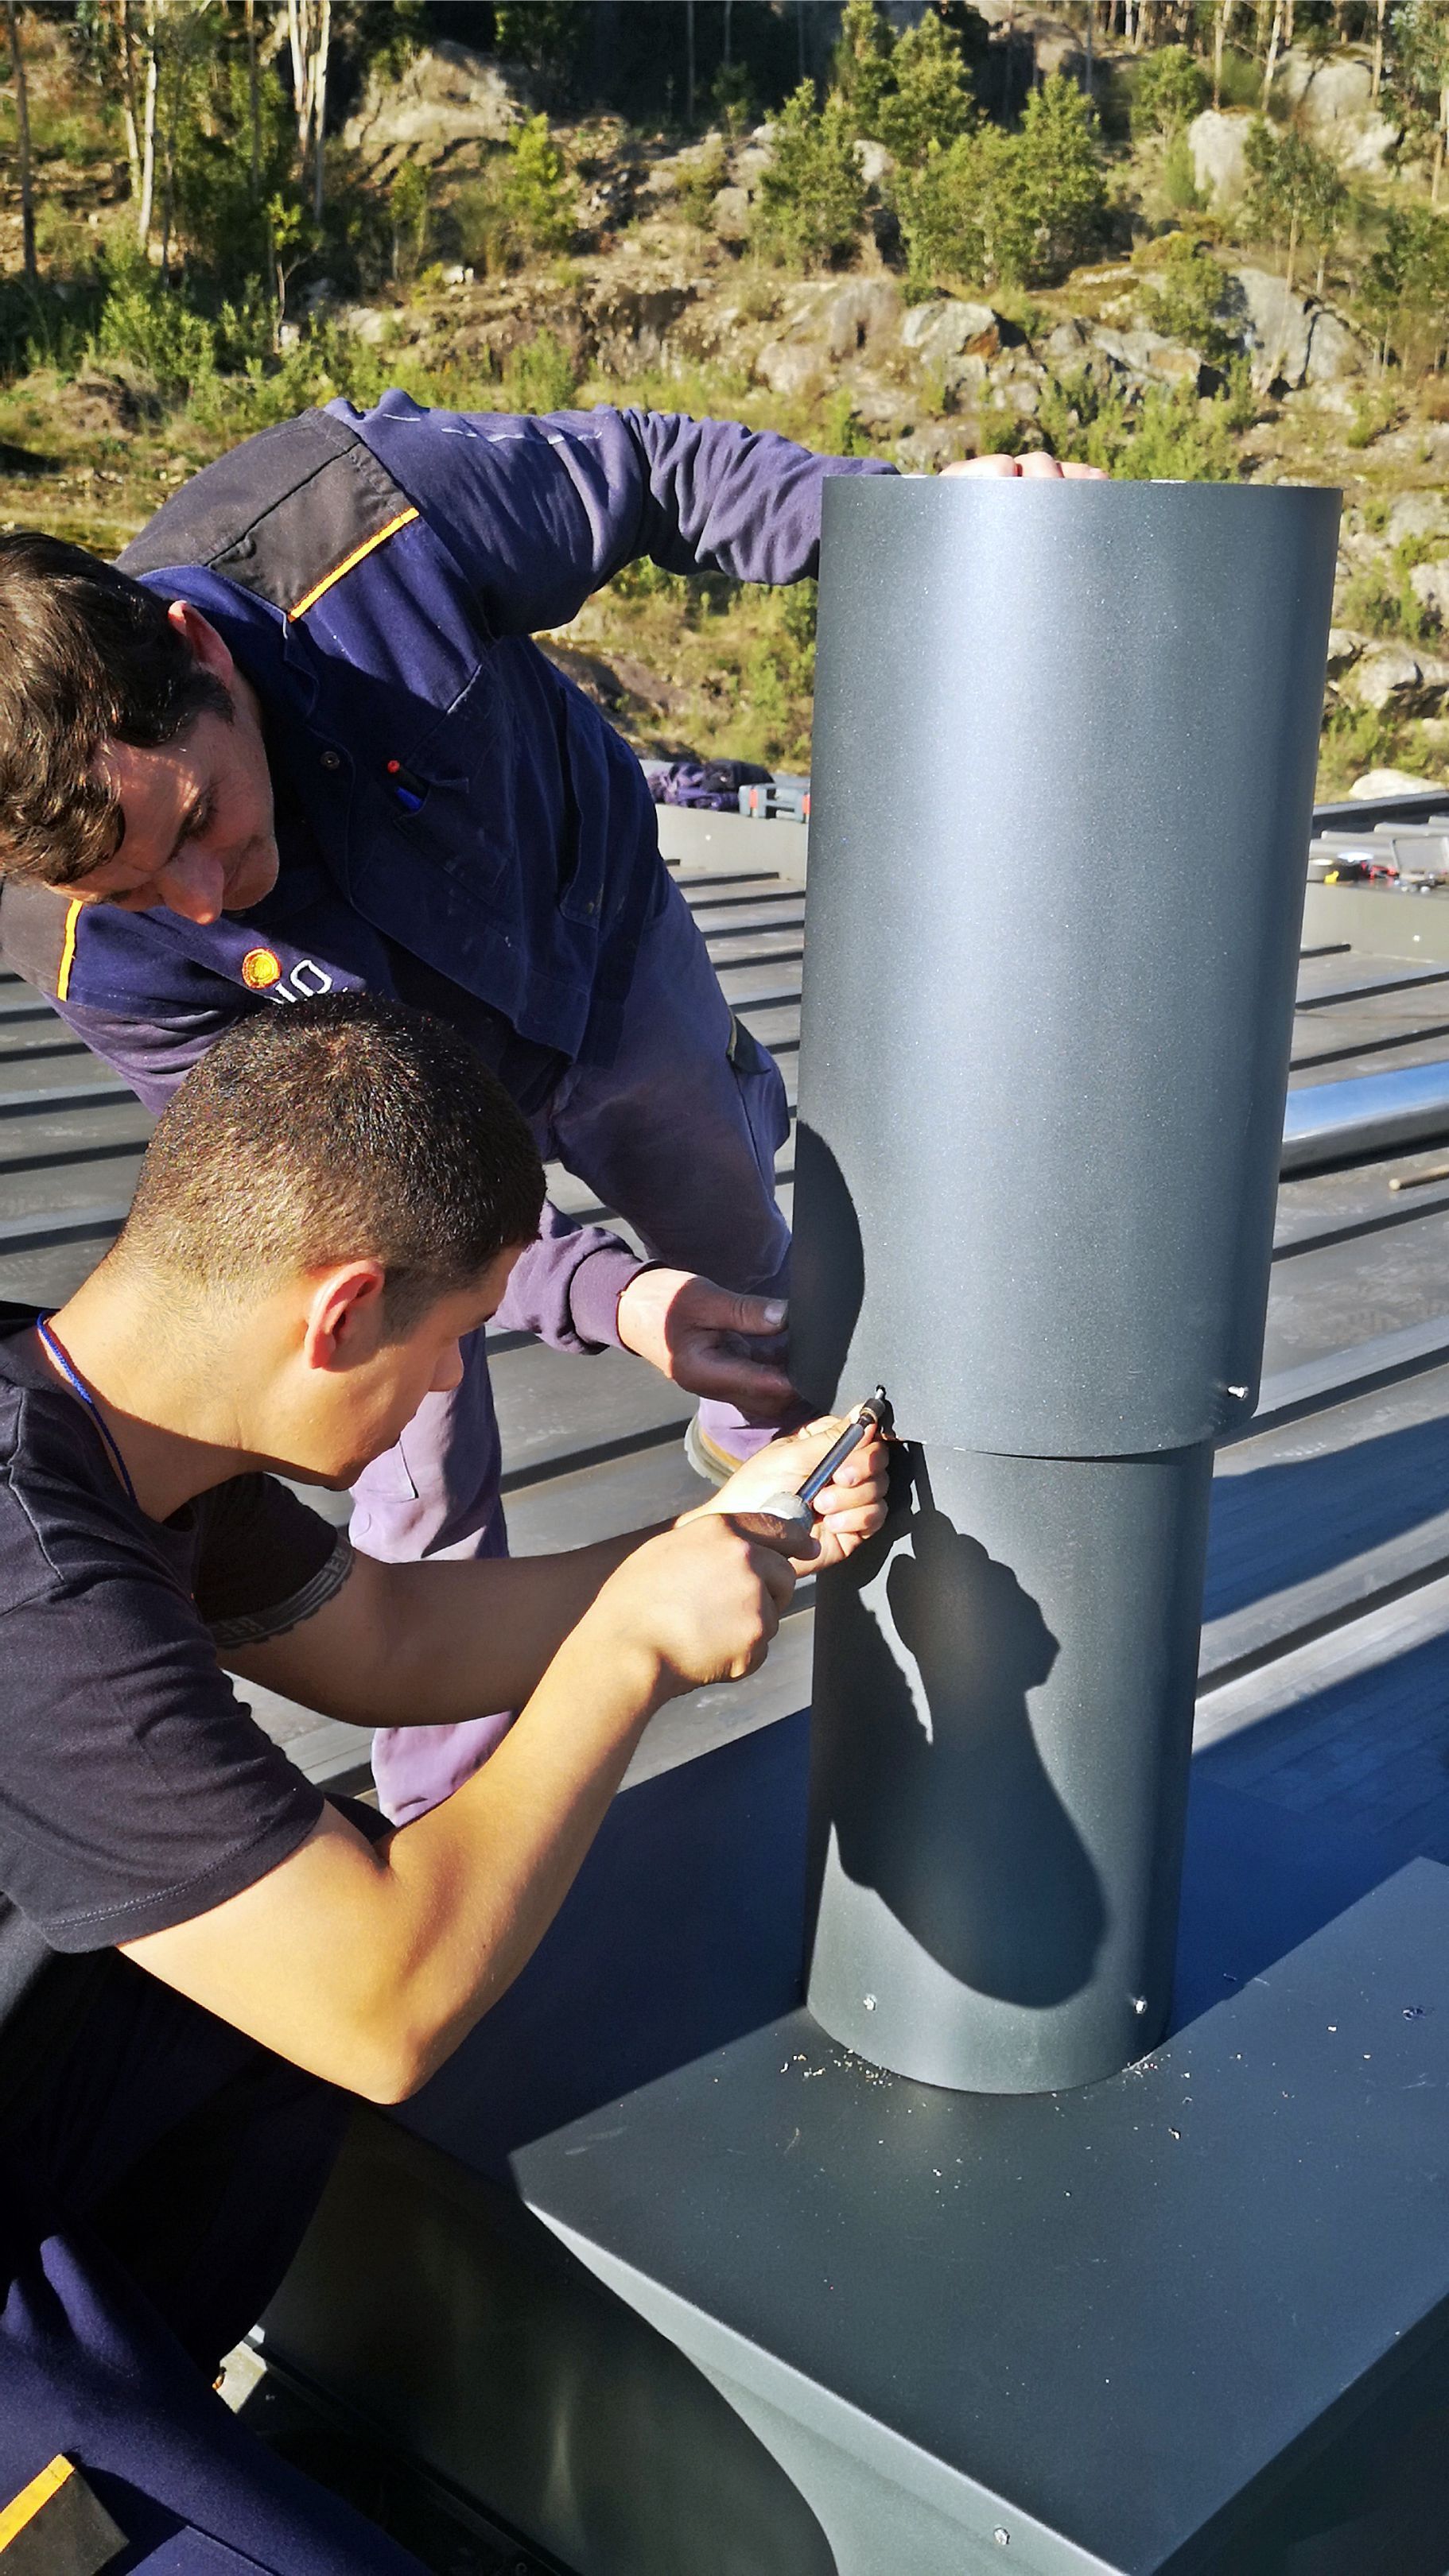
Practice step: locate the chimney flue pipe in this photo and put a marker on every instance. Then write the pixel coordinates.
(1065, 745)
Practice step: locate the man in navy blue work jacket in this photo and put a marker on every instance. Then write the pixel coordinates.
(301, 742)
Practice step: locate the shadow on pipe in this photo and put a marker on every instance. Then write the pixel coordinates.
(1009, 1904)
(828, 1267)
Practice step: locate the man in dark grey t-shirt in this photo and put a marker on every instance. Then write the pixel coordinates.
(199, 1954)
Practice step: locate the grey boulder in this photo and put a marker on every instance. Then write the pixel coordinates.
(1218, 144)
(945, 329)
(1391, 677)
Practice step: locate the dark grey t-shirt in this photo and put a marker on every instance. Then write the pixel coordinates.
(136, 1790)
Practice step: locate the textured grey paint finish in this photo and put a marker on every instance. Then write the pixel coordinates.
(1065, 747)
(1064, 755)
(1003, 1705)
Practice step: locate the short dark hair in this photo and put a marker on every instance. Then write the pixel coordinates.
(336, 1130)
(87, 656)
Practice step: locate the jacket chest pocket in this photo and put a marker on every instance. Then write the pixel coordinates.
(447, 796)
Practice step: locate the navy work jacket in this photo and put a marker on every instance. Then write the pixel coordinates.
(457, 822)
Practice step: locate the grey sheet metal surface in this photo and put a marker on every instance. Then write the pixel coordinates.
(1065, 739)
(1111, 2328)
(1003, 1699)
(1065, 742)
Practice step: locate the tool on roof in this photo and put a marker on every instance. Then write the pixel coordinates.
(873, 1415)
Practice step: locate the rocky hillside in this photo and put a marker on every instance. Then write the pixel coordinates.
(1178, 353)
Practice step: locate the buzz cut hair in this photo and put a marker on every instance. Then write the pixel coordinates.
(347, 1128)
(87, 656)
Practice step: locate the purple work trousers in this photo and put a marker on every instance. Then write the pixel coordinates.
(678, 1136)
(152, 2196)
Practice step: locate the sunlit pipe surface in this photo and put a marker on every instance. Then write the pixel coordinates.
(1065, 748)
(1376, 1113)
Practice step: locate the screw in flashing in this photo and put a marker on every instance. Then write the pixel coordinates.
(1001, 2536)
(870, 2003)
(1238, 1393)
(1139, 2005)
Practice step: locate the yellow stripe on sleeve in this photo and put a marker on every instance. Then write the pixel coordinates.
(25, 2506)
(366, 548)
(67, 953)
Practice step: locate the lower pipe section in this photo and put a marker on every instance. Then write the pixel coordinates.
(1003, 1701)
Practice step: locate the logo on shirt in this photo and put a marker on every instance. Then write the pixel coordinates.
(262, 972)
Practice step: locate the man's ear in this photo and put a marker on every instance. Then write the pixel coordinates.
(344, 1315)
(209, 648)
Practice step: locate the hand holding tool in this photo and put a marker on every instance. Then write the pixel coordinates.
(874, 1414)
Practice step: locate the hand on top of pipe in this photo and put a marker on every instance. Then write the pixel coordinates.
(1037, 467)
(848, 1511)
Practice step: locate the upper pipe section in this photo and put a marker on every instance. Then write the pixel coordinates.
(1065, 741)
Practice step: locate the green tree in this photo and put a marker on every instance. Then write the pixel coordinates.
(1406, 286)
(1170, 89)
(811, 203)
(1295, 192)
(1008, 209)
(220, 207)
(732, 96)
(400, 32)
(702, 181)
(1419, 39)
(1188, 298)
(929, 100)
(1179, 177)
(1061, 150)
(153, 327)
(541, 375)
(968, 214)
(548, 37)
(407, 204)
(537, 194)
(294, 243)
(861, 72)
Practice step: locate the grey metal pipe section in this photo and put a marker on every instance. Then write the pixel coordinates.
(1065, 748)
(1002, 1698)
(1376, 1113)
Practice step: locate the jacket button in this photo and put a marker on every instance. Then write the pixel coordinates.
(331, 760)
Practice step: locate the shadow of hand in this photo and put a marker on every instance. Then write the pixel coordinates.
(944, 1805)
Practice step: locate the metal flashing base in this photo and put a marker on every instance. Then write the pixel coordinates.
(767, 2312)
(1096, 2331)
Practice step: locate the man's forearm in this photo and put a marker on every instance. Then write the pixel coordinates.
(475, 1883)
(367, 1963)
(431, 1644)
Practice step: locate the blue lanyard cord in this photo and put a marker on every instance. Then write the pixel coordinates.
(73, 1378)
